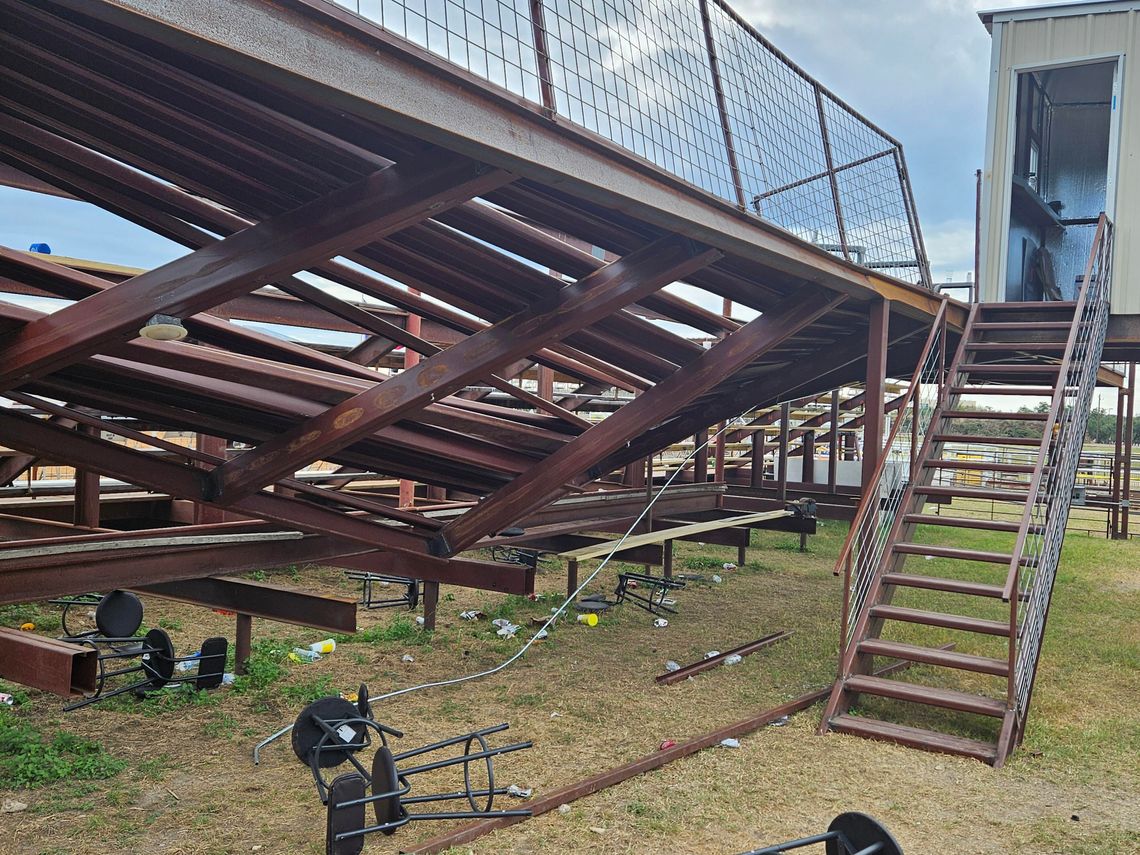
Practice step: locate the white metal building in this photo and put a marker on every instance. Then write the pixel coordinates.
(1062, 139)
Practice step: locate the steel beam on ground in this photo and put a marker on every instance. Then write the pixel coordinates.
(44, 663)
(384, 202)
(578, 459)
(573, 307)
(261, 599)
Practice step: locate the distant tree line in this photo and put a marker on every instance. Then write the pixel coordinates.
(1101, 426)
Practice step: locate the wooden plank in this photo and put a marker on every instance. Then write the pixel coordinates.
(671, 534)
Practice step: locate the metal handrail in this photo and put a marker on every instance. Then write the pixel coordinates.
(1035, 557)
(872, 493)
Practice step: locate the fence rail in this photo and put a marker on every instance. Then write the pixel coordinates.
(691, 87)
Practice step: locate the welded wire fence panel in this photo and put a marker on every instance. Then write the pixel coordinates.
(645, 75)
(637, 73)
(492, 39)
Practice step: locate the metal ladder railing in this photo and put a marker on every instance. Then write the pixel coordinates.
(1033, 568)
(869, 537)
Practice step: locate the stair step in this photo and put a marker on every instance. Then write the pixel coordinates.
(987, 465)
(1031, 346)
(994, 414)
(947, 621)
(1022, 391)
(929, 695)
(988, 440)
(962, 522)
(1022, 325)
(953, 552)
(934, 656)
(937, 583)
(972, 493)
(1008, 368)
(1028, 305)
(914, 737)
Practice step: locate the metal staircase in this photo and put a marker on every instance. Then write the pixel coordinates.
(924, 506)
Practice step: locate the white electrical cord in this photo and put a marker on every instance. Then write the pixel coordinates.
(555, 614)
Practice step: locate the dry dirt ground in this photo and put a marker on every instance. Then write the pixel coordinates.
(588, 700)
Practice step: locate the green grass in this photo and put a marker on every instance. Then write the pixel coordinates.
(30, 758)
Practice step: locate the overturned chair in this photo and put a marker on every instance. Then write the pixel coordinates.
(118, 616)
(849, 834)
(332, 731)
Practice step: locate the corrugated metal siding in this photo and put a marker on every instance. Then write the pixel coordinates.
(1060, 40)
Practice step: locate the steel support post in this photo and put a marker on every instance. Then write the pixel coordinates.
(718, 459)
(86, 510)
(243, 642)
(759, 448)
(876, 381)
(215, 446)
(833, 444)
(807, 457)
(701, 457)
(431, 604)
(1116, 473)
(782, 452)
(722, 108)
(1129, 428)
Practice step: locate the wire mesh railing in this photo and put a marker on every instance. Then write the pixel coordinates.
(1036, 555)
(869, 537)
(691, 87)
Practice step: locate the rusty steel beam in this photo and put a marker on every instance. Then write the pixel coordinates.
(117, 461)
(483, 575)
(542, 481)
(44, 663)
(50, 575)
(384, 202)
(261, 599)
(701, 665)
(592, 297)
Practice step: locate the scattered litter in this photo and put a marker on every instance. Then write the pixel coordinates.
(597, 829)
(27, 627)
(556, 715)
(507, 631)
(407, 657)
(667, 744)
(351, 697)
(928, 557)
(191, 662)
(12, 806)
(519, 792)
(717, 579)
(672, 666)
(589, 618)
(7, 699)
(472, 614)
(502, 621)
(631, 583)
(734, 659)
(1075, 818)
(668, 601)
(730, 743)
(228, 679)
(323, 647)
(728, 565)
(564, 809)
(712, 653)
(779, 722)
(420, 620)
(660, 622)
(541, 634)
(303, 654)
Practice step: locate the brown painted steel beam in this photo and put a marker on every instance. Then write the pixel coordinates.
(483, 575)
(107, 458)
(384, 202)
(44, 663)
(261, 599)
(542, 482)
(593, 297)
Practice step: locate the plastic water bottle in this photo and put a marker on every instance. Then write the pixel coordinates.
(304, 654)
